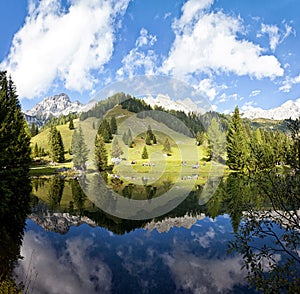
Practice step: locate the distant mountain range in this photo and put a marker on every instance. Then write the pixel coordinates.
(57, 105)
(289, 109)
(186, 105)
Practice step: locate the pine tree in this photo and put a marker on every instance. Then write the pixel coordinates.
(113, 125)
(79, 149)
(148, 139)
(150, 133)
(36, 150)
(200, 136)
(237, 151)
(145, 153)
(100, 153)
(34, 129)
(216, 140)
(167, 146)
(105, 131)
(57, 151)
(14, 139)
(71, 124)
(154, 139)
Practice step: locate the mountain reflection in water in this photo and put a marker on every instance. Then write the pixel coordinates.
(72, 246)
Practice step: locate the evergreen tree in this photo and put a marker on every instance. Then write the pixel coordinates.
(57, 151)
(34, 129)
(216, 140)
(36, 150)
(237, 151)
(148, 139)
(150, 133)
(154, 139)
(167, 146)
(200, 136)
(79, 149)
(113, 125)
(293, 154)
(14, 140)
(71, 124)
(116, 149)
(145, 153)
(100, 153)
(105, 131)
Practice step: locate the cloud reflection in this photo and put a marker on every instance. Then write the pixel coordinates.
(194, 274)
(46, 269)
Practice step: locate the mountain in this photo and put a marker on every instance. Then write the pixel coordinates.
(54, 106)
(289, 109)
(186, 105)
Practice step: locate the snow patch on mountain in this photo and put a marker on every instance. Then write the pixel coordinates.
(289, 109)
(186, 105)
(55, 106)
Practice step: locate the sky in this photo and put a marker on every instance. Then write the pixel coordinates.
(231, 52)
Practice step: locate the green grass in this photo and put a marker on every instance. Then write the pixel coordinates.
(163, 170)
(42, 138)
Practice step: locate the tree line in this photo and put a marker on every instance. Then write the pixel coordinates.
(252, 150)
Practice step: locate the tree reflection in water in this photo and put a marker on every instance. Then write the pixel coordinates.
(264, 213)
(268, 237)
(14, 206)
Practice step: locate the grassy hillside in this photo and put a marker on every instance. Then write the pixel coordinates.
(42, 138)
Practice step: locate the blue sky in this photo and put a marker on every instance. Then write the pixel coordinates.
(233, 52)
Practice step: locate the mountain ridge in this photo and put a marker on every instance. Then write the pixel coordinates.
(56, 105)
(288, 109)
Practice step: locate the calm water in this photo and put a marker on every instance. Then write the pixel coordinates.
(89, 251)
(71, 246)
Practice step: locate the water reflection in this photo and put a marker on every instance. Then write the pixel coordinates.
(183, 251)
(14, 207)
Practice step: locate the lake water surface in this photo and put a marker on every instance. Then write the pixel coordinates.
(72, 246)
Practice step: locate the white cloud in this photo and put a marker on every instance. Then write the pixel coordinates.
(273, 32)
(71, 270)
(276, 36)
(145, 39)
(62, 45)
(288, 83)
(208, 42)
(139, 61)
(229, 97)
(254, 93)
(206, 87)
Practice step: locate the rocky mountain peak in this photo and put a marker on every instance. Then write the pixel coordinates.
(55, 106)
(289, 109)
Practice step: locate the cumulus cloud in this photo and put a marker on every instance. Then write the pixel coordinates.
(209, 42)
(70, 271)
(57, 44)
(138, 60)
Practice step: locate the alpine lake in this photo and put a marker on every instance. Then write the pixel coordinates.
(76, 235)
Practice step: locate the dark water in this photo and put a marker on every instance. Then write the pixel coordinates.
(71, 246)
